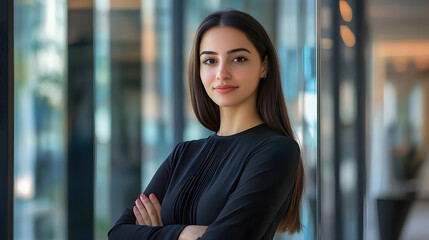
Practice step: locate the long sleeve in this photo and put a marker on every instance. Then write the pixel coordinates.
(238, 185)
(125, 227)
(261, 193)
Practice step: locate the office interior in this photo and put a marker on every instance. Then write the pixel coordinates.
(93, 98)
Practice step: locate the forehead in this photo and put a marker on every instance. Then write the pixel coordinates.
(223, 39)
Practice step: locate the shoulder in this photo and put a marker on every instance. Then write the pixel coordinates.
(278, 150)
(191, 143)
(184, 146)
(279, 144)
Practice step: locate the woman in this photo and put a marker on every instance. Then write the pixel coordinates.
(245, 181)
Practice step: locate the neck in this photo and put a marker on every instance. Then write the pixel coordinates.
(237, 119)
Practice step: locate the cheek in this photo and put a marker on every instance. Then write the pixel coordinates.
(205, 82)
(206, 77)
(247, 75)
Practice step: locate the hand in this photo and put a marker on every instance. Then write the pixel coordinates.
(147, 211)
(192, 232)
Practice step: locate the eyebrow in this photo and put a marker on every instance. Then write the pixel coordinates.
(229, 52)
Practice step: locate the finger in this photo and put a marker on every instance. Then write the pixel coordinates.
(157, 206)
(139, 219)
(150, 208)
(143, 212)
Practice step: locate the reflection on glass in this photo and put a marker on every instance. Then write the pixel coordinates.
(102, 119)
(157, 119)
(39, 108)
(297, 53)
(40, 112)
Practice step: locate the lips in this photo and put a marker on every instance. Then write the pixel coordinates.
(225, 88)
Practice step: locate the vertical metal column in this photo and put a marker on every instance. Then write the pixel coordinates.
(359, 7)
(319, 134)
(343, 132)
(6, 119)
(80, 124)
(177, 73)
(336, 81)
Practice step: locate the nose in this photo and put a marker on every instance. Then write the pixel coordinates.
(223, 72)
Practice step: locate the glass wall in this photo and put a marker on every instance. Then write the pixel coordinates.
(40, 51)
(102, 117)
(342, 119)
(157, 94)
(133, 103)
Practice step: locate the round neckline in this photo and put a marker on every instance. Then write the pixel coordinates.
(239, 133)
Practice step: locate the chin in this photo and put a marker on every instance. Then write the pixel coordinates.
(225, 103)
(230, 102)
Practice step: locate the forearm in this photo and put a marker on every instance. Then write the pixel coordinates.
(142, 232)
(125, 228)
(192, 232)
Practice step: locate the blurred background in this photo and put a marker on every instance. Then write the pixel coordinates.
(374, 119)
(100, 100)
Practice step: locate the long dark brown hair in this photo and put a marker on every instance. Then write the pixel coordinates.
(270, 100)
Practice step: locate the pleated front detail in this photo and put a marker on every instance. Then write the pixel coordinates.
(207, 162)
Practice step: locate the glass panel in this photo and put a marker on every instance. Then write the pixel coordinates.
(327, 118)
(297, 53)
(102, 118)
(40, 113)
(342, 89)
(126, 86)
(348, 122)
(132, 101)
(157, 120)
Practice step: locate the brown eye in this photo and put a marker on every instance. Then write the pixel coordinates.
(240, 59)
(209, 61)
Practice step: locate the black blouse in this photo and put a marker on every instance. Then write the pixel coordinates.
(239, 186)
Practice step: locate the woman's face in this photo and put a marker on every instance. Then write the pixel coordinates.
(230, 67)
